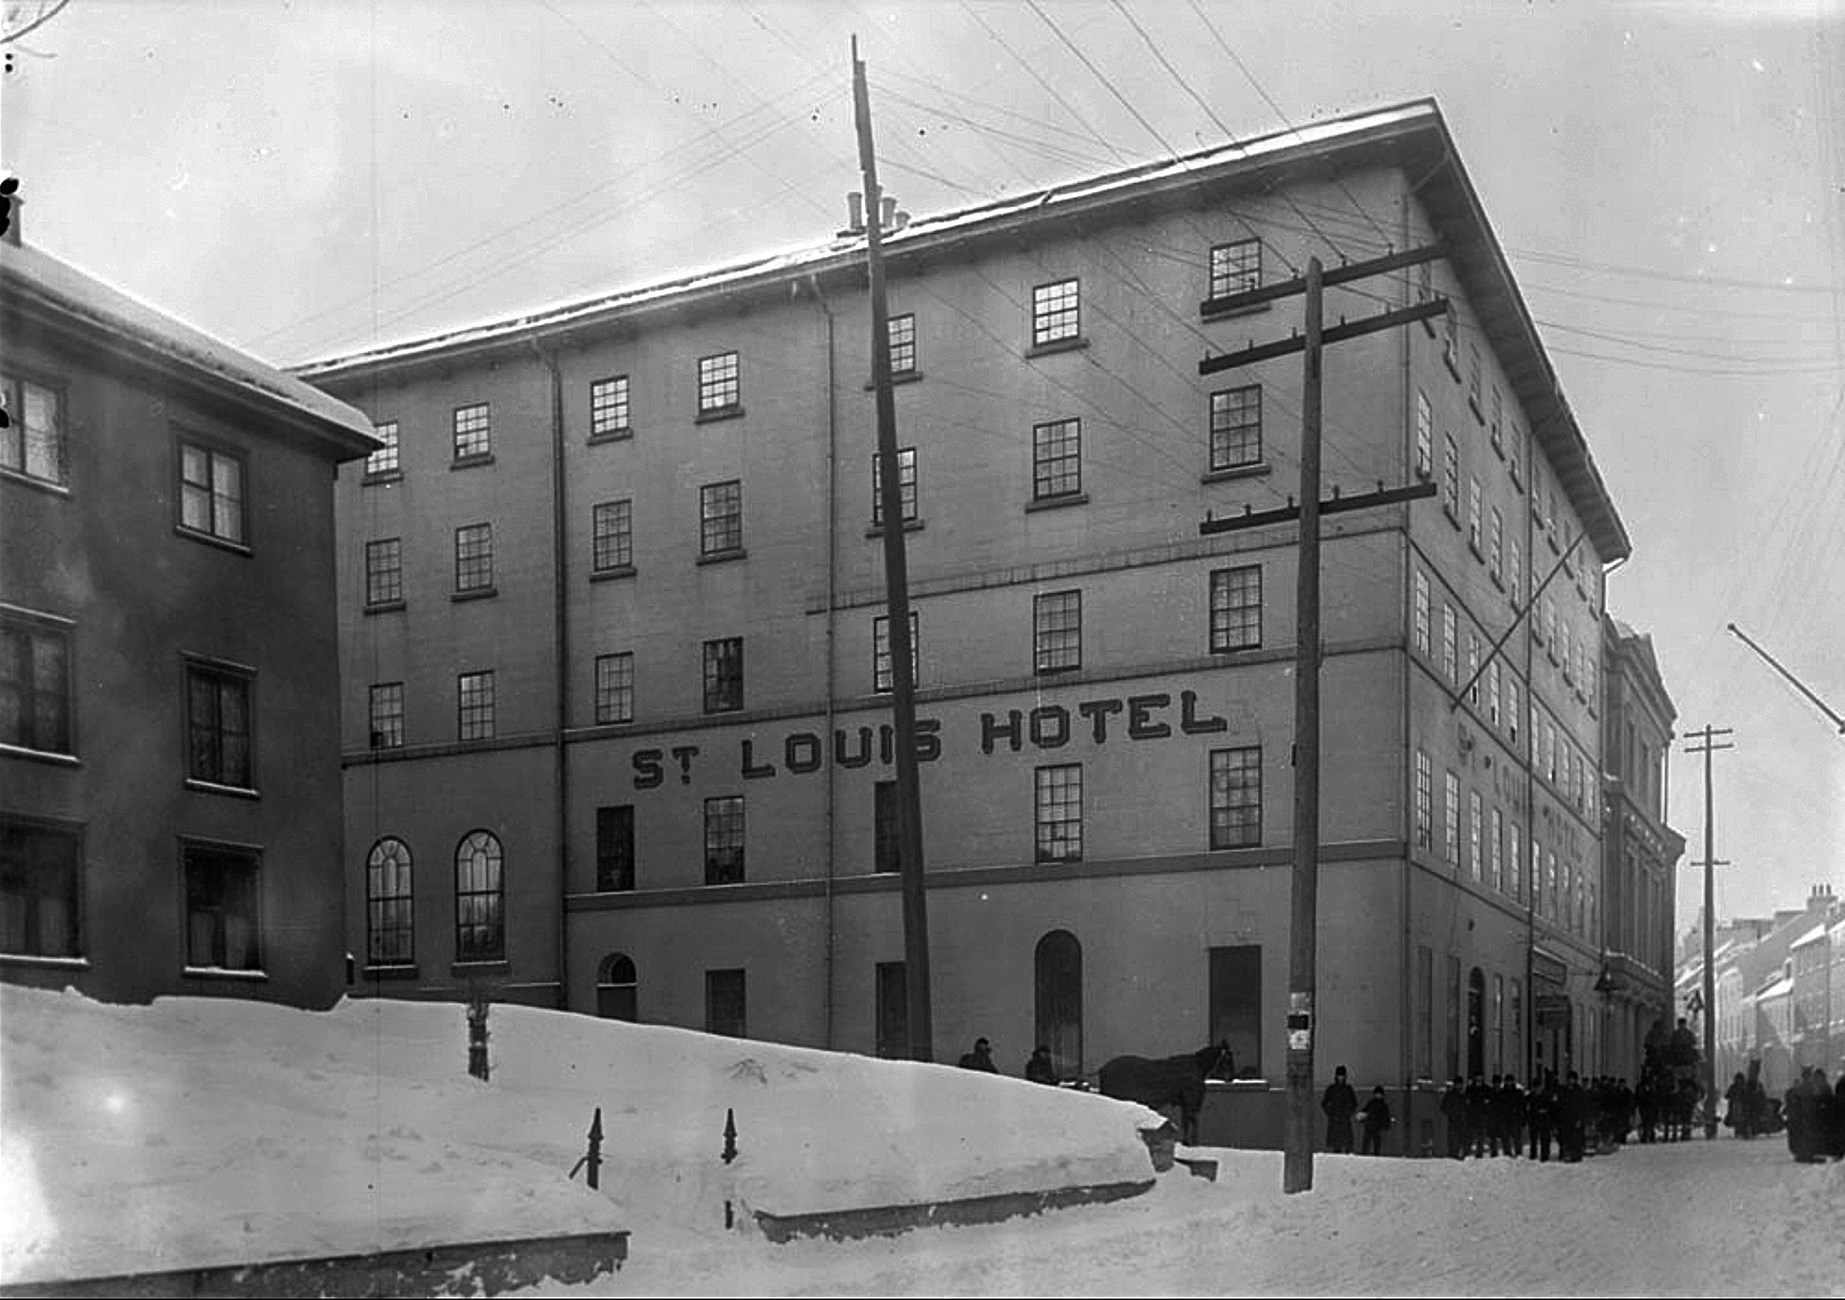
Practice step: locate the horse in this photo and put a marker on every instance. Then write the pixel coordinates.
(1171, 1081)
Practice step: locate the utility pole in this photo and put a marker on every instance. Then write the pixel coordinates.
(1303, 935)
(1710, 746)
(897, 605)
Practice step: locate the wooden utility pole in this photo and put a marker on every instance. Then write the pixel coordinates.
(1710, 746)
(897, 605)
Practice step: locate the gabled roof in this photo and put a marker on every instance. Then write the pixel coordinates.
(1814, 935)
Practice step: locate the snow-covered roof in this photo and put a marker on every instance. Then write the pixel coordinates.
(34, 279)
(1780, 988)
(1814, 935)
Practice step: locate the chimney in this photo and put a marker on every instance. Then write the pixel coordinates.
(887, 213)
(855, 212)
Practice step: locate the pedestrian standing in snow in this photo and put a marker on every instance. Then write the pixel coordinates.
(1040, 1068)
(1377, 1121)
(1454, 1111)
(1540, 1111)
(1340, 1103)
(981, 1058)
(1512, 1115)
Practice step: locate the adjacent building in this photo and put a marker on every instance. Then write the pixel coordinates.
(1780, 982)
(169, 747)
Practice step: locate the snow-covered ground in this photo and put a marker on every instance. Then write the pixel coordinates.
(202, 1131)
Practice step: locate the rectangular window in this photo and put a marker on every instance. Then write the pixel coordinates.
(40, 876)
(474, 558)
(1425, 802)
(1057, 813)
(1515, 848)
(1236, 268)
(1236, 608)
(1056, 313)
(614, 688)
(1454, 1017)
(387, 715)
(384, 572)
(1496, 848)
(1450, 644)
(1514, 461)
(33, 441)
(608, 407)
(1497, 416)
(1473, 513)
(1514, 570)
(724, 675)
(1056, 459)
(35, 684)
(720, 383)
(211, 495)
(1451, 819)
(724, 840)
(223, 918)
(615, 848)
(1236, 798)
(1475, 820)
(1425, 1013)
(1473, 375)
(474, 706)
(893, 1027)
(906, 486)
(384, 460)
(720, 518)
(885, 858)
(1236, 1005)
(1473, 667)
(902, 335)
(1450, 341)
(390, 914)
(1550, 883)
(1495, 547)
(219, 726)
(1451, 478)
(1421, 611)
(725, 1004)
(881, 677)
(1057, 631)
(1492, 691)
(480, 899)
(1425, 437)
(612, 536)
(1236, 427)
(473, 432)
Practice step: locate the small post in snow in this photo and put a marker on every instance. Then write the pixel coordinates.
(477, 1036)
(730, 1136)
(593, 1157)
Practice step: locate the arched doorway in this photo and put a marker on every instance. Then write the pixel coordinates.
(616, 988)
(1476, 1022)
(1057, 970)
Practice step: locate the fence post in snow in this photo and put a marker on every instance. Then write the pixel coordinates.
(477, 1036)
(730, 1136)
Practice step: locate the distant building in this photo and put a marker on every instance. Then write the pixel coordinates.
(169, 747)
(1778, 986)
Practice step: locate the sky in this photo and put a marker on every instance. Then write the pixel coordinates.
(306, 178)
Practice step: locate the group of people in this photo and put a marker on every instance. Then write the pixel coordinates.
(1572, 1115)
(1815, 1115)
(1340, 1103)
(1039, 1069)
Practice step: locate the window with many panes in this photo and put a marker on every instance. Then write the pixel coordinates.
(1236, 267)
(1236, 608)
(1473, 514)
(902, 336)
(1450, 644)
(386, 714)
(1515, 861)
(1056, 459)
(384, 459)
(1236, 797)
(1056, 313)
(906, 486)
(480, 899)
(615, 848)
(885, 857)
(35, 682)
(1473, 667)
(720, 518)
(474, 706)
(1057, 631)
(881, 670)
(1473, 375)
(1425, 436)
(33, 442)
(1492, 691)
(724, 675)
(473, 432)
(1419, 612)
(1474, 831)
(1498, 415)
(1451, 819)
(1057, 813)
(223, 908)
(615, 688)
(40, 875)
(1494, 847)
(474, 558)
(612, 536)
(219, 725)
(384, 572)
(1495, 546)
(390, 923)
(1514, 569)
(1451, 478)
(720, 383)
(1425, 802)
(726, 1003)
(1236, 427)
(608, 407)
(211, 493)
(724, 840)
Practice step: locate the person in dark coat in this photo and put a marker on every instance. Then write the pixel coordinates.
(1340, 1103)
(1736, 1105)
(1540, 1112)
(1454, 1111)
(1376, 1121)
(1479, 1116)
(1512, 1115)
(981, 1058)
(1040, 1068)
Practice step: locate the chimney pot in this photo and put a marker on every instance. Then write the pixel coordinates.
(855, 211)
(887, 213)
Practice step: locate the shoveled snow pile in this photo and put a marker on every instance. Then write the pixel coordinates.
(196, 1132)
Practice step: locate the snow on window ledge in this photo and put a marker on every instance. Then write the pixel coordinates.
(225, 973)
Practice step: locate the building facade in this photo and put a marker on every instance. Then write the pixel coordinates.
(1778, 980)
(616, 705)
(169, 764)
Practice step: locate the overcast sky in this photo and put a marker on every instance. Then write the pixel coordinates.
(1667, 179)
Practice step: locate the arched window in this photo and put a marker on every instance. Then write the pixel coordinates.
(1058, 980)
(480, 899)
(616, 988)
(1476, 1022)
(390, 927)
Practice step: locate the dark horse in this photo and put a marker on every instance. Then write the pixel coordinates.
(1173, 1081)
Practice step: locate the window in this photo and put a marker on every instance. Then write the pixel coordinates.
(1057, 631)
(474, 717)
(1514, 462)
(211, 496)
(218, 725)
(384, 460)
(1496, 846)
(906, 486)
(384, 573)
(474, 558)
(1057, 1001)
(720, 518)
(1057, 813)
(1425, 1012)
(1513, 709)
(1450, 644)
(387, 715)
(1475, 828)
(902, 335)
(1492, 691)
(480, 899)
(1236, 427)
(1425, 436)
(1425, 802)
(617, 989)
(1236, 609)
(1514, 571)
(1451, 819)
(390, 923)
(612, 536)
(720, 382)
(614, 688)
(881, 673)
(33, 442)
(40, 874)
(1451, 478)
(1497, 416)
(608, 408)
(1495, 547)
(223, 925)
(1236, 1005)
(615, 848)
(724, 675)
(725, 1003)
(1420, 611)
(1473, 667)
(724, 840)
(1515, 849)
(1056, 459)
(473, 432)
(885, 857)
(1473, 376)
(1236, 798)
(35, 684)
(893, 1004)
(1450, 341)
(1056, 313)
(1473, 513)
(1550, 883)
(1236, 268)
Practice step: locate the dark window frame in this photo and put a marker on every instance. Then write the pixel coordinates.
(1057, 312)
(883, 667)
(727, 1002)
(204, 901)
(723, 664)
(41, 862)
(611, 525)
(720, 518)
(384, 573)
(390, 904)
(726, 828)
(720, 383)
(480, 878)
(1057, 459)
(614, 688)
(1236, 619)
(1233, 270)
(473, 559)
(187, 497)
(472, 428)
(40, 717)
(384, 711)
(1056, 638)
(1057, 833)
(615, 848)
(19, 433)
(1235, 799)
(610, 412)
(476, 719)
(1236, 433)
(220, 750)
(908, 486)
(385, 461)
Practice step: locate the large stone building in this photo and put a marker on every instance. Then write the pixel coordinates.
(169, 763)
(616, 733)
